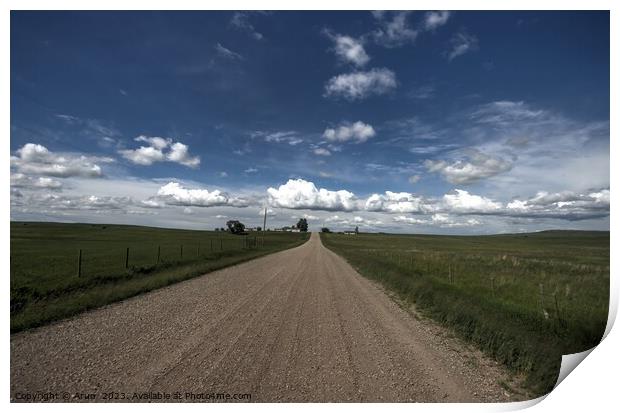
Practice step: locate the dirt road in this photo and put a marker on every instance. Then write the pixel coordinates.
(298, 325)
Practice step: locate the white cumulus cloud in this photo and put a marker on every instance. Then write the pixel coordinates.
(410, 220)
(435, 19)
(158, 150)
(174, 193)
(322, 152)
(359, 85)
(396, 202)
(475, 166)
(358, 132)
(566, 204)
(179, 153)
(36, 159)
(348, 49)
(155, 141)
(144, 155)
(394, 29)
(352, 222)
(301, 194)
(446, 221)
(461, 201)
(19, 180)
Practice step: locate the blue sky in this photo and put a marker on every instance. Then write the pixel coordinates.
(439, 122)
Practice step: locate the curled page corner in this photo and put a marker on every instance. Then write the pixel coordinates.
(569, 362)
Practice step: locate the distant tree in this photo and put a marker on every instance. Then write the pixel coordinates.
(222, 229)
(325, 229)
(217, 229)
(302, 224)
(357, 230)
(259, 229)
(235, 227)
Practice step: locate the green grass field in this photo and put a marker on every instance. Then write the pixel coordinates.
(525, 299)
(45, 285)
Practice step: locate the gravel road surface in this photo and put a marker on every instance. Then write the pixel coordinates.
(298, 325)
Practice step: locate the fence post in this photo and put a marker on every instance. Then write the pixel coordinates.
(198, 250)
(221, 245)
(181, 251)
(127, 258)
(211, 245)
(79, 272)
(158, 253)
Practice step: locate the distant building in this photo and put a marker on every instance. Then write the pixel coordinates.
(350, 233)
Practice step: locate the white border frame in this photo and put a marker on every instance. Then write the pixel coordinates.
(591, 386)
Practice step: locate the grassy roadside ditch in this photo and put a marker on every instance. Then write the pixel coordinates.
(524, 299)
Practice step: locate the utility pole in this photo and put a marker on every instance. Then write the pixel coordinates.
(265, 220)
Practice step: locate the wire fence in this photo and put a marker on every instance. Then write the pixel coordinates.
(100, 259)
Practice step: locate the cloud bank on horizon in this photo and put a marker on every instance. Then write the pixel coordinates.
(390, 121)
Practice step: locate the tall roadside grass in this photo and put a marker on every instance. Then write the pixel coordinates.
(525, 299)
